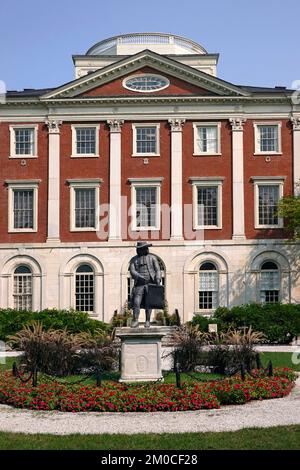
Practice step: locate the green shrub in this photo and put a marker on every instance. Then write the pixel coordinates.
(280, 323)
(12, 321)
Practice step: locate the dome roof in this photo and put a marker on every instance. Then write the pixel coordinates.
(131, 43)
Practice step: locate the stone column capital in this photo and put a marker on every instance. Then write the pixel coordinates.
(115, 125)
(237, 123)
(176, 124)
(53, 126)
(296, 123)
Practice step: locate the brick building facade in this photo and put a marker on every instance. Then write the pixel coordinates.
(147, 143)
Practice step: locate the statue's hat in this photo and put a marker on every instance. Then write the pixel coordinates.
(143, 245)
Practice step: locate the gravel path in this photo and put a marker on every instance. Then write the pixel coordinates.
(268, 413)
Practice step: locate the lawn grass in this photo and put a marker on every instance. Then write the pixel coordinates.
(279, 438)
(279, 359)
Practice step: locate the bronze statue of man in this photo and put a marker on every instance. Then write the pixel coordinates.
(144, 269)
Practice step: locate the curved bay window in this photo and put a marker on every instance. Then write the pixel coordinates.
(130, 281)
(22, 288)
(269, 282)
(84, 288)
(208, 286)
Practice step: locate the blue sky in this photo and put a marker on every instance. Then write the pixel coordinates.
(258, 40)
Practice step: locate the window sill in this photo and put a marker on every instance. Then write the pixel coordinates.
(207, 227)
(145, 155)
(23, 230)
(267, 154)
(145, 229)
(215, 154)
(85, 156)
(22, 157)
(267, 227)
(86, 229)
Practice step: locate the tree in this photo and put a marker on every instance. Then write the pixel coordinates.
(289, 208)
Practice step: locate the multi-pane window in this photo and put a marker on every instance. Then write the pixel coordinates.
(86, 141)
(207, 139)
(84, 288)
(23, 209)
(24, 141)
(269, 283)
(268, 197)
(146, 140)
(267, 138)
(146, 207)
(207, 206)
(85, 208)
(22, 292)
(208, 286)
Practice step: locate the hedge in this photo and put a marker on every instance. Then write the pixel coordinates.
(12, 321)
(279, 322)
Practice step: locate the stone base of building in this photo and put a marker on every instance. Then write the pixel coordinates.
(141, 353)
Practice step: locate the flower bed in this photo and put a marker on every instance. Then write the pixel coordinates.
(145, 398)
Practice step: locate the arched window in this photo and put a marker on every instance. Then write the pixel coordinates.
(22, 288)
(208, 286)
(269, 283)
(130, 281)
(84, 288)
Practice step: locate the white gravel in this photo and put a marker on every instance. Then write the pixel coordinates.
(260, 414)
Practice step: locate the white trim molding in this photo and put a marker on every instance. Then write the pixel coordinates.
(176, 178)
(296, 154)
(217, 182)
(257, 150)
(238, 212)
(266, 181)
(12, 133)
(135, 153)
(196, 126)
(74, 128)
(14, 185)
(84, 184)
(145, 183)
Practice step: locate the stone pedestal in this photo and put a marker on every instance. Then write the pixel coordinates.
(141, 353)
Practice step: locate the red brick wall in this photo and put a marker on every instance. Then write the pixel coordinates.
(210, 166)
(81, 167)
(36, 168)
(176, 87)
(256, 165)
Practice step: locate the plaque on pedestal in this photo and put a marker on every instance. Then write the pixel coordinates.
(141, 353)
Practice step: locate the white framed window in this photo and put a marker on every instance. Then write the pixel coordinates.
(84, 205)
(207, 138)
(267, 193)
(22, 290)
(145, 204)
(23, 141)
(207, 203)
(146, 83)
(85, 140)
(85, 288)
(269, 283)
(145, 140)
(208, 287)
(22, 205)
(267, 137)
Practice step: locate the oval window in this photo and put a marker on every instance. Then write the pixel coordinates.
(146, 83)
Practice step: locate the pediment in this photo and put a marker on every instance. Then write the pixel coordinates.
(184, 80)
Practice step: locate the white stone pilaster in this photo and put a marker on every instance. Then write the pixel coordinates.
(53, 230)
(238, 178)
(115, 214)
(176, 178)
(296, 154)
